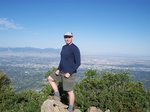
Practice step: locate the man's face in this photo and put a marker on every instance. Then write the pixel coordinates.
(68, 39)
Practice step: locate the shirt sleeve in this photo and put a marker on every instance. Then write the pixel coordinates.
(59, 67)
(77, 59)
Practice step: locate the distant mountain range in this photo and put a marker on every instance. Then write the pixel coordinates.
(28, 49)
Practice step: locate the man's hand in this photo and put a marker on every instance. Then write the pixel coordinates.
(57, 72)
(67, 75)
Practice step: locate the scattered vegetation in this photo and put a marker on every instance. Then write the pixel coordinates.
(106, 90)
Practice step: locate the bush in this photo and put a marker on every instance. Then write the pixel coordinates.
(6, 93)
(106, 90)
(25, 101)
(114, 91)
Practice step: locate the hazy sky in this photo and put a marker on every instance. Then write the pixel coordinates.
(99, 26)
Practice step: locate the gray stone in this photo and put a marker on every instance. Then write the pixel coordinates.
(94, 109)
(53, 104)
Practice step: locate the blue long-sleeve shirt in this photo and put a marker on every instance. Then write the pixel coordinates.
(70, 59)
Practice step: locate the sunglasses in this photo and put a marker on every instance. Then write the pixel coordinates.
(67, 36)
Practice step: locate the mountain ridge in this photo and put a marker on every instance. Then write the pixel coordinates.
(28, 49)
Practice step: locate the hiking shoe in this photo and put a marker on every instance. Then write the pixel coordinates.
(69, 110)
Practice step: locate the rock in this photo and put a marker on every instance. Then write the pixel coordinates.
(94, 109)
(107, 110)
(76, 110)
(53, 104)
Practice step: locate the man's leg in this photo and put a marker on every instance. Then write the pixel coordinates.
(71, 100)
(54, 86)
(68, 85)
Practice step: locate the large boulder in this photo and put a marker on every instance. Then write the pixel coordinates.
(53, 104)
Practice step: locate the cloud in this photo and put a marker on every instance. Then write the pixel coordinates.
(6, 24)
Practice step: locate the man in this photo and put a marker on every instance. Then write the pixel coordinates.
(67, 69)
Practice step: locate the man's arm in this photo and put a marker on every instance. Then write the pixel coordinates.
(77, 58)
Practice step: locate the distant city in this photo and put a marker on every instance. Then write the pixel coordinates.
(26, 66)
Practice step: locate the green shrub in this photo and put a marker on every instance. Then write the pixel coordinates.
(25, 101)
(6, 93)
(114, 91)
(105, 90)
